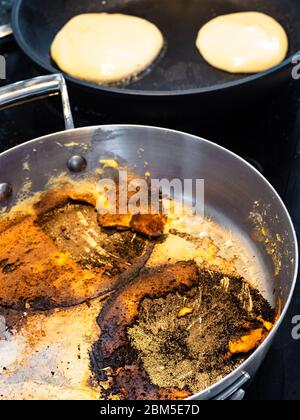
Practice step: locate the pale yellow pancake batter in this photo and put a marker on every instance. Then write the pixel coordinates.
(247, 42)
(106, 48)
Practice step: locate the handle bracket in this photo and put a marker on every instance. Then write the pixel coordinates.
(37, 88)
(235, 391)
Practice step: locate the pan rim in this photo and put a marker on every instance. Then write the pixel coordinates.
(27, 49)
(232, 377)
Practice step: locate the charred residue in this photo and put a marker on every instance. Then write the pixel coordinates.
(59, 256)
(168, 333)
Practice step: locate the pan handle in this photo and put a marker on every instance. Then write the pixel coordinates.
(235, 391)
(6, 33)
(37, 88)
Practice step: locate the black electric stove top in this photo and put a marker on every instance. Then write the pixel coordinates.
(267, 135)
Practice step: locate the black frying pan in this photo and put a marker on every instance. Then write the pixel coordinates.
(181, 71)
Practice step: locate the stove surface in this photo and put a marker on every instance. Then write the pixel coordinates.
(267, 135)
(5, 7)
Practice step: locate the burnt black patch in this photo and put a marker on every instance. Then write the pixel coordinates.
(159, 353)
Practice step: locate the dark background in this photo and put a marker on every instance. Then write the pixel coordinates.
(267, 135)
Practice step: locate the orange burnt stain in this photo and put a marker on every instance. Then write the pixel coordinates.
(268, 325)
(150, 224)
(36, 273)
(247, 343)
(35, 269)
(185, 312)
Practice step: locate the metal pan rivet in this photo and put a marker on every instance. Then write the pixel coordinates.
(5, 191)
(77, 164)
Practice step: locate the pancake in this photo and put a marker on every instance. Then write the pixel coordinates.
(248, 42)
(106, 48)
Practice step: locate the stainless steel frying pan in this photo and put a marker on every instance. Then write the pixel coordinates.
(236, 195)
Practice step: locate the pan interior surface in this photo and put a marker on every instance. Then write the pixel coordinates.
(180, 68)
(68, 337)
(65, 337)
